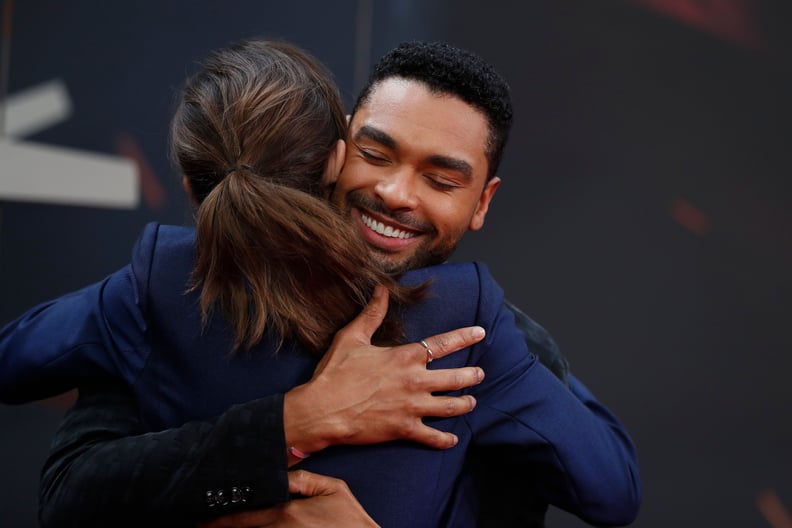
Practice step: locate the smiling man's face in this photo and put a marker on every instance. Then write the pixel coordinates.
(415, 175)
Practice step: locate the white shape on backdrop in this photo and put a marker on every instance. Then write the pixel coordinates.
(49, 174)
(37, 109)
(32, 172)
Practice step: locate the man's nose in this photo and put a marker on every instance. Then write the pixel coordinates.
(398, 190)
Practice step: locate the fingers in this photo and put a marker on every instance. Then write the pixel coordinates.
(443, 380)
(329, 503)
(433, 437)
(444, 344)
(247, 519)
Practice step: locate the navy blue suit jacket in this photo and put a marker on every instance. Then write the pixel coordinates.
(138, 324)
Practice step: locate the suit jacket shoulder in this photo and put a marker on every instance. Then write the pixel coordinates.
(95, 332)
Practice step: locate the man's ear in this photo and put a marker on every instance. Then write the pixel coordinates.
(335, 162)
(477, 221)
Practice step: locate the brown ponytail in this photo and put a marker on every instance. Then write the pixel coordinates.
(253, 134)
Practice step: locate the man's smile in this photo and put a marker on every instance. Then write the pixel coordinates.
(383, 229)
(383, 234)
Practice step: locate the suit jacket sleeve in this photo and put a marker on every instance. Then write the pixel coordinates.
(105, 470)
(89, 334)
(576, 452)
(503, 500)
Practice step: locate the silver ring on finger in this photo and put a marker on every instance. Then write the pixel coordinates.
(429, 355)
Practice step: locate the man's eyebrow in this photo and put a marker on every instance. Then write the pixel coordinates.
(438, 160)
(454, 164)
(375, 134)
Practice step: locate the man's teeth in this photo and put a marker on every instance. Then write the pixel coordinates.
(388, 231)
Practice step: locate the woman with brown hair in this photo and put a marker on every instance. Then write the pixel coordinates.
(258, 136)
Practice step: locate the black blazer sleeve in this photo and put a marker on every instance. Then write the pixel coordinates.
(104, 470)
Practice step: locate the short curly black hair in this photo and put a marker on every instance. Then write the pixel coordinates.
(449, 70)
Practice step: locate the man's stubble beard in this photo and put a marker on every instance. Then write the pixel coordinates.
(421, 257)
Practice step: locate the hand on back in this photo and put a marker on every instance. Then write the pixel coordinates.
(363, 394)
(328, 504)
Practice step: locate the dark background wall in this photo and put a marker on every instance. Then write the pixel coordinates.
(644, 217)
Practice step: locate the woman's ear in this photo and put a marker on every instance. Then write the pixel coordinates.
(335, 162)
(188, 190)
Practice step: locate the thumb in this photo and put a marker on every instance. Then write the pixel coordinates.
(311, 484)
(366, 323)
